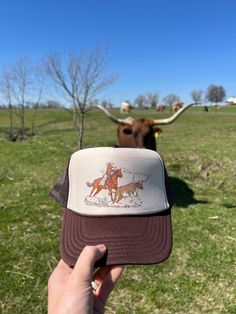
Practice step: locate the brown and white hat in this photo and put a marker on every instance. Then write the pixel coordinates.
(120, 197)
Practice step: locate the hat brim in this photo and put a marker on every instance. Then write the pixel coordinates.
(129, 239)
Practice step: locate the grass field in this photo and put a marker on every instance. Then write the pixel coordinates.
(199, 150)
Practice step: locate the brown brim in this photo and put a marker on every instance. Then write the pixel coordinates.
(129, 239)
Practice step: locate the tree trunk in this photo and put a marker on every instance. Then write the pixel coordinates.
(33, 119)
(10, 120)
(22, 119)
(81, 129)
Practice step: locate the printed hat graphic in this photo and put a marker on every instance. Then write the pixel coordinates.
(120, 197)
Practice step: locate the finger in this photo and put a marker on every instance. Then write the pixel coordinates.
(84, 266)
(109, 282)
(100, 274)
(64, 267)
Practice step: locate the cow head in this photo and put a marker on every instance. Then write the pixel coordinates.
(140, 132)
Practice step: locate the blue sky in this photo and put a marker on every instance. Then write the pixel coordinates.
(160, 46)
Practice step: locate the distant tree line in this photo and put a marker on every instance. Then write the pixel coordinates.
(50, 104)
(77, 78)
(214, 94)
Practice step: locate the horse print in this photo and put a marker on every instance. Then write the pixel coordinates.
(126, 195)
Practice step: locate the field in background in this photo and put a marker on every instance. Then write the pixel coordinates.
(199, 152)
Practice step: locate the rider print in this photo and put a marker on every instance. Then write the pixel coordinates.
(116, 187)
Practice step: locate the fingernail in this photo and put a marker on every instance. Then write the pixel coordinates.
(102, 247)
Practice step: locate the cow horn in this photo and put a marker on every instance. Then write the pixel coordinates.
(173, 117)
(114, 119)
(145, 180)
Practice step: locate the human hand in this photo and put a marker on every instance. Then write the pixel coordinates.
(70, 290)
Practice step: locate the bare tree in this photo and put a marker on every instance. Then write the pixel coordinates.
(106, 104)
(147, 100)
(140, 101)
(6, 92)
(196, 95)
(80, 77)
(21, 85)
(22, 71)
(152, 99)
(215, 93)
(170, 99)
(52, 104)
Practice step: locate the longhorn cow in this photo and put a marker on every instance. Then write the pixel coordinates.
(160, 107)
(177, 105)
(140, 132)
(125, 107)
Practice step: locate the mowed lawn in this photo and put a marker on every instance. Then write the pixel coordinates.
(199, 151)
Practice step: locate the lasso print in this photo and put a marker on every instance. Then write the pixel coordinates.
(126, 195)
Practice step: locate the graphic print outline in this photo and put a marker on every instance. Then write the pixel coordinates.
(119, 195)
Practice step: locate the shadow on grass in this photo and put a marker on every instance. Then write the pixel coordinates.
(184, 194)
(231, 206)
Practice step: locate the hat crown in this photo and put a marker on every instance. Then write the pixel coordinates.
(116, 181)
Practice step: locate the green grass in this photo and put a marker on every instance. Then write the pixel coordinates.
(199, 151)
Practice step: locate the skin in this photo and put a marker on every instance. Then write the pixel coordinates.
(70, 290)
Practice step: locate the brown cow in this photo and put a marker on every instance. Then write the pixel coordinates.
(129, 189)
(140, 132)
(177, 105)
(160, 108)
(125, 107)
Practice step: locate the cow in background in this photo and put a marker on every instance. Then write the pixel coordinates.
(125, 107)
(140, 132)
(160, 108)
(177, 105)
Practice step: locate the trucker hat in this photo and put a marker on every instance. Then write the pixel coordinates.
(119, 197)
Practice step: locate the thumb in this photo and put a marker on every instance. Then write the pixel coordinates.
(83, 269)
